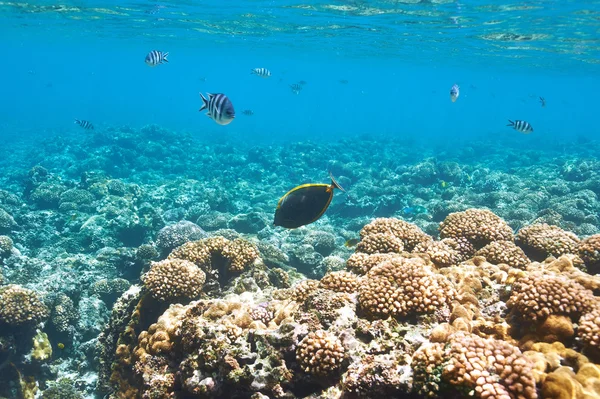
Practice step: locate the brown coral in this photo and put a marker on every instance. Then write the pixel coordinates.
(539, 295)
(540, 241)
(21, 306)
(589, 252)
(218, 253)
(504, 252)
(378, 243)
(361, 263)
(479, 226)
(589, 327)
(320, 354)
(410, 234)
(402, 287)
(341, 281)
(447, 252)
(174, 279)
(487, 367)
(303, 289)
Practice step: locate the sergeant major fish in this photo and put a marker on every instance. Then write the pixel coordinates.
(521, 126)
(262, 72)
(220, 109)
(84, 124)
(156, 57)
(454, 93)
(296, 88)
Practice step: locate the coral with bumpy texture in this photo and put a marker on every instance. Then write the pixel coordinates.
(447, 252)
(320, 353)
(402, 287)
(589, 252)
(539, 295)
(589, 327)
(173, 279)
(479, 226)
(177, 234)
(303, 289)
(341, 281)
(21, 306)
(237, 254)
(410, 234)
(380, 243)
(361, 263)
(542, 240)
(484, 367)
(504, 252)
(6, 246)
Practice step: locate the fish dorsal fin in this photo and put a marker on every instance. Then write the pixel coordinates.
(334, 183)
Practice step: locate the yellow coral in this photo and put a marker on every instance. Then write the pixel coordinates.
(42, 349)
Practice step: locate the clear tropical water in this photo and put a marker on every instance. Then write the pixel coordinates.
(84, 59)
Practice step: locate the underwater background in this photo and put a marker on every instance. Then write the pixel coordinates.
(138, 255)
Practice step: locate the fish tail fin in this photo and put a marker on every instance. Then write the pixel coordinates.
(77, 122)
(165, 55)
(511, 123)
(204, 103)
(252, 72)
(334, 183)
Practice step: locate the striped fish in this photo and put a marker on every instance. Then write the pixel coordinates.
(521, 126)
(220, 109)
(84, 124)
(156, 57)
(248, 112)
(262, 72)
(454, 93)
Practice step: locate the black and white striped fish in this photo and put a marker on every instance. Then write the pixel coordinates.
(521, 126)
(84, 124)
(248, 112)
(262, 72)
(156, 57)
(296, 88)
(220, 109)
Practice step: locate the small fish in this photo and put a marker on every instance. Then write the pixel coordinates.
(296, 88)
(84, 124)
(543, 101)
(156, 57)
(413, 210)
(60, 345)
(521, 126)
(443, 184)
(220, 109)
(344, 81)
(351, 243)
(304, 204)
(262, 72)
(454, 93)
(302, 82)
(248, 112)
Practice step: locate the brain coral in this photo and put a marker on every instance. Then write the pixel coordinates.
(173, 279)
(540, 295)
(479, 226)
(21, 306)
(408, 233)
(320, 353)
(484, 367)
(589, 252)
(402, 287)
(504, 252)
(218, 252)
(542, 240)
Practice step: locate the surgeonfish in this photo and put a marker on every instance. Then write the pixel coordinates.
(220, 109)
(84, 124)
(521, 126)
(351, 243)
(454, 93)
(156, 57)
(296, 88)
(262, 72)
(305, 204)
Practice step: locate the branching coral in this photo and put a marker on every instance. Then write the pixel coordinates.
(408, 233)
(479, 226)
(542, 240)
(540, 295)
(21, 306)
(402, 287)
(320, 353)
(504, 252)
(173, 279)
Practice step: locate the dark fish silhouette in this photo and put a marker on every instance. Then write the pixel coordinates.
(304, 204)
(248, 112)
(543, 101)
(84, 124)
(296, 88)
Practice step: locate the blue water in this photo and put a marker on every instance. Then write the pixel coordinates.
(85, 60)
